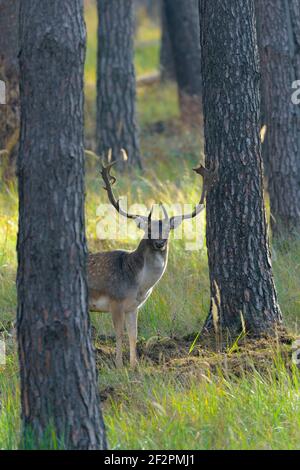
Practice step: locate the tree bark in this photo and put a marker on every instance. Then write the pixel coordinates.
(167, 66)
(183, 28)
(9, 73)
(278, 24)
(116, 83)
(150, 7)
(242, 287)
(57, 364)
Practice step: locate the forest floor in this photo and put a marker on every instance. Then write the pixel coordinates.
(181, 396)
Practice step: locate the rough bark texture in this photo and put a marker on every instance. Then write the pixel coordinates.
(239, 258)
(116, 84)
(278, 24)
(9, 73)
(183, 27)
(57, 365)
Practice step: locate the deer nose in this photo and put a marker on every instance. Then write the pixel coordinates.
(159, 244)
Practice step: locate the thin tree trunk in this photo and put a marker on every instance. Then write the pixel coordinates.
(57, 364)
(183, 27)
(167, 66)
(116, 84)
(242, 286)
(278, 24)
(9, 73)
(152, 8)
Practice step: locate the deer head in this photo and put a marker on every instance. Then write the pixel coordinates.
(156, 231)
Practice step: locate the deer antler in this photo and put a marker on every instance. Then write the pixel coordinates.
(209, 179)
(110, 180)
(176, 220)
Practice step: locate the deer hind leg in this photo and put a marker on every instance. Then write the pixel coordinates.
(118, 317)
(131, 326)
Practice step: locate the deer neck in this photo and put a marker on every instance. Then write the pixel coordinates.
(150, 264)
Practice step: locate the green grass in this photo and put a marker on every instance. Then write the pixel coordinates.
(91, 52)
(162, 407)
(252, 412)
(159, 410)
(8, 232)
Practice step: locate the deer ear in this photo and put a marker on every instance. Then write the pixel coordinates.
(141, 223)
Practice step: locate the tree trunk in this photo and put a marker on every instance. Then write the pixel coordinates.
(116, 85)
(9, 73)
(57, 364)
(167, 66)
(278, 24)
(242, 286)
(183, 27)
(151, 7)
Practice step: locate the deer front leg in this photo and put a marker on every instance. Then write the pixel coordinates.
(131, 326)
(118, 317)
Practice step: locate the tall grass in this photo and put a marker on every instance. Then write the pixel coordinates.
(251, 412)
(153, 409)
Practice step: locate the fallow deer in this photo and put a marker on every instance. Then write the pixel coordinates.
(120, 282)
